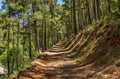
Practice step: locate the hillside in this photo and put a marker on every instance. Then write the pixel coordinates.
(60, 39)
(94, 53)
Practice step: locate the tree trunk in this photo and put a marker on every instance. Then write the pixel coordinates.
(23, 48)
(17, 56)
(30, 47)
(74, 17)
(108, 6)
(35, 30)
(44, 35)
(8, 47)
(88, 11)
(80, 17)
(96, 9)
(71, 18)
(119, 5)
(13, 46)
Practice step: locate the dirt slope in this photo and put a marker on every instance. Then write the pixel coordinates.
(60, 66)
(96, 48)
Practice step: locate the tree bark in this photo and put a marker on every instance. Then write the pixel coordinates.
(119, 5)
(44, 35)
(8, 47)
(108, 6)
(30, 46)
(80, 15)
(96, 9)
(17, 56)
(88, 11)
(74, 17)
(35, 30)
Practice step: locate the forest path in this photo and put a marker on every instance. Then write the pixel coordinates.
(54, 65)
(58, 65)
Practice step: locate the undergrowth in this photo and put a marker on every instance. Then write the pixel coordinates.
(15, 72)
(117, 30)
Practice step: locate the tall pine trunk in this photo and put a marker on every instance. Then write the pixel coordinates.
(44, 35)
(35, 30)
(30, 46)
(96, 9)
(74, 17)
(119, 5)
(108, 6)
(88, 12)
(17, 56)
(8, 48)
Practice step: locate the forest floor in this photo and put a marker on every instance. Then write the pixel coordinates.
(58, 65)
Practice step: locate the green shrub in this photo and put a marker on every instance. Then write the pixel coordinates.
(117, 30)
